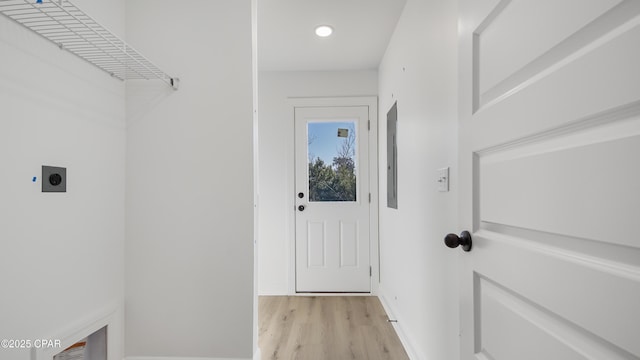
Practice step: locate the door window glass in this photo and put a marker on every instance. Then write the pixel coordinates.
(332, 157)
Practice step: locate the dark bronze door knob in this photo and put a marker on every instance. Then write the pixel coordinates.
(464, 240)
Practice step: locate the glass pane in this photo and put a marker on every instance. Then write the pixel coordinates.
(332, 161)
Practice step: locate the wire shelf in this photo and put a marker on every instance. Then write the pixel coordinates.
(71, 29)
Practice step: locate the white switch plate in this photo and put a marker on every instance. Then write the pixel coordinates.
(443, 179)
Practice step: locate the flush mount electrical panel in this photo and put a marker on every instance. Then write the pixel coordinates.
(392, 157)
(54, 179)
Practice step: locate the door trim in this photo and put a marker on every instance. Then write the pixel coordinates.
(374, 253)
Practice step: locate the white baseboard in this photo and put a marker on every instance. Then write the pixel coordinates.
(256, 356)
(179, 358)
(402, 334)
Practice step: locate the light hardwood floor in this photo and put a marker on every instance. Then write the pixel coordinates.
(326, 328)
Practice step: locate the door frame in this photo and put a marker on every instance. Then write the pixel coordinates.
(374, 245)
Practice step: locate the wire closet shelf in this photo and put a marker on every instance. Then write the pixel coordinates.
(71, 29)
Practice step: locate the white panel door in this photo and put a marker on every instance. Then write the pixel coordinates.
(332, 199)
(550, 179)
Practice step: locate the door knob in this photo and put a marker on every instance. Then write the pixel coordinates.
(301, 207)
(464, 240)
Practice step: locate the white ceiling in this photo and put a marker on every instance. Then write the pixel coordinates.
(362, 29)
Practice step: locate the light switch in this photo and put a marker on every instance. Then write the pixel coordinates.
(443, 179)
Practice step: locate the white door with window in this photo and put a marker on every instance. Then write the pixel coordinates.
(332, 245)
(550, 179)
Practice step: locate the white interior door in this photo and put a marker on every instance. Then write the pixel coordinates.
(550, 179)
(332, 199)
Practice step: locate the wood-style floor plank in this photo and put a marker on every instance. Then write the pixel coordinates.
(326, 328)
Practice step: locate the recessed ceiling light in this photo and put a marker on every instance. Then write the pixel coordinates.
(324, 30)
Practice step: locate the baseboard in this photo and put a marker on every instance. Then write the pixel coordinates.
(402, 334)
(256, 356)
(180, 358)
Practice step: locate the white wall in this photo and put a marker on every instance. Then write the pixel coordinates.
(189, 253)
(419, 280)
(62, 254)
(275, 175)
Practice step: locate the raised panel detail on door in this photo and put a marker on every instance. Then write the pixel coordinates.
(518, 33)
(541, 185)
(316, 244)
(554, 338)
(516, 43)
(588, 300)
(349, 246)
